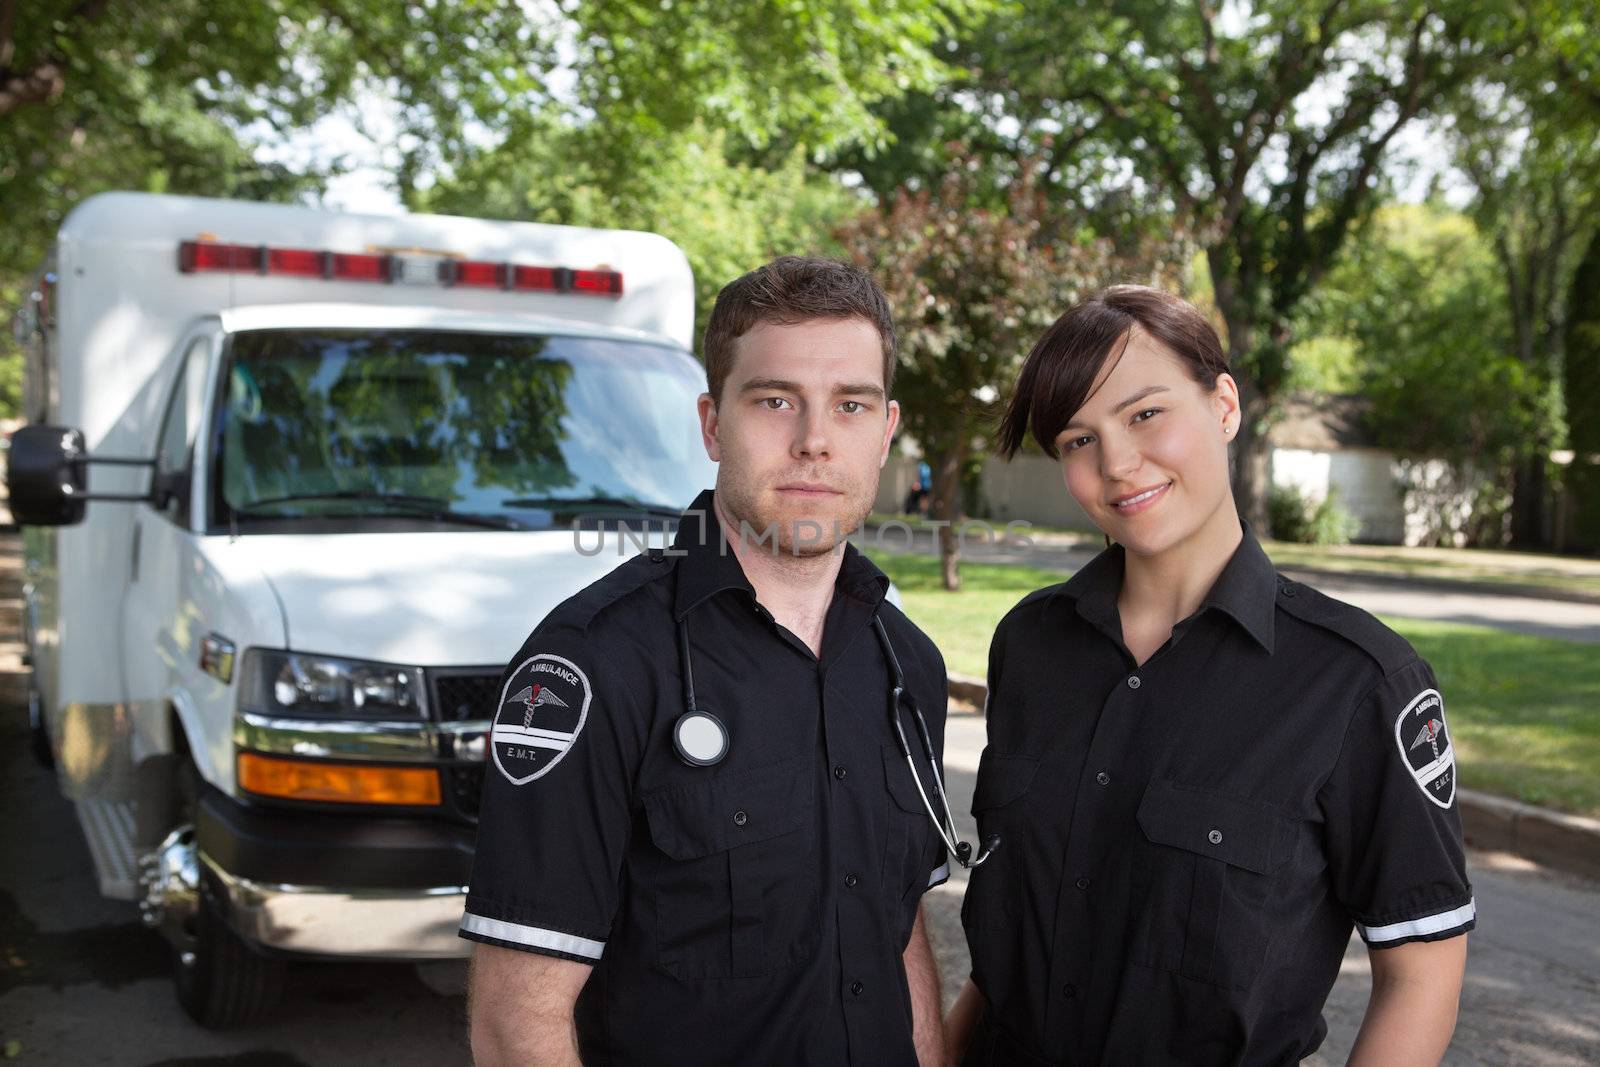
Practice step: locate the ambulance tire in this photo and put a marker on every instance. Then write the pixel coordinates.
(228, 982)
(222, 980)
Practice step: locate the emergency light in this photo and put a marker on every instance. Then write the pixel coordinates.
(198, 257)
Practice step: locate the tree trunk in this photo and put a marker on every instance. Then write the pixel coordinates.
(1252, 453)
(1528, 489)
(947, 508)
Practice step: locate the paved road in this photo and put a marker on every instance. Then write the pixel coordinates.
(81, 982)
(1384, 596)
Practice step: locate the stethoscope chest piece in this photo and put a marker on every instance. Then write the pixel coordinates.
(700, 738)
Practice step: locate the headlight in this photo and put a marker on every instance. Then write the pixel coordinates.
(296, 683)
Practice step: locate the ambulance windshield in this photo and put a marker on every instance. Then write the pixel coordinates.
(375, 430)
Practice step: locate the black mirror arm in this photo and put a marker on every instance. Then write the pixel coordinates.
(112, 461)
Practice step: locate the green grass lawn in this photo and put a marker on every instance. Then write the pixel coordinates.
(1525, 711)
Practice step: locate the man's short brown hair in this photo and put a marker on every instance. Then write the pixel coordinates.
(786, 292)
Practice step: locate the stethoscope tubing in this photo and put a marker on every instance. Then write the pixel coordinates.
(946, 826)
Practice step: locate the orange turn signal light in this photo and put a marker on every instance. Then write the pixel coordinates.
(344, 783)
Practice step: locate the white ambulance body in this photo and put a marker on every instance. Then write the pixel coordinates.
(383, 448)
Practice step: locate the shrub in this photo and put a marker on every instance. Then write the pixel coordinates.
(1297, 517)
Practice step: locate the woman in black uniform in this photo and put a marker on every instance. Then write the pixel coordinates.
(1203, 774)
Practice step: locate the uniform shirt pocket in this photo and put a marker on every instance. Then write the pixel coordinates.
(1203, 882)
(733, 880)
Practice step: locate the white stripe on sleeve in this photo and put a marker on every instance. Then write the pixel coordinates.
(1428, 924)
(940, 873)
(532, 936)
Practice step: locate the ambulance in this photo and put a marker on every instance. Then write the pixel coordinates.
(295, 485)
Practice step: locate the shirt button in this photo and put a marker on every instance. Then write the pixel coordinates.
(1133, 681)
(840, 773)
(1215, 837)
(856, 989)
(1103, 778)
(740, 818)
(1082, 883)
(1069, 990)
(850, 880)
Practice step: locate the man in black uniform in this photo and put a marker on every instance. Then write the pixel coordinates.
(726, 867)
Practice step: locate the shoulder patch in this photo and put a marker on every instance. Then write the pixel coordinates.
(542, 710)
(1387, 648)
(1425, 746)
(581, 609)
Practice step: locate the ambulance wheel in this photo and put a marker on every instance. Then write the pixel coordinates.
(38, 735)
(222, 979)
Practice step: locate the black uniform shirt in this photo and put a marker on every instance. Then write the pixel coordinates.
(754, 911)
(1186, 843)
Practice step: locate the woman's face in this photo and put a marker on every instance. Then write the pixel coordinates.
(1147, 454)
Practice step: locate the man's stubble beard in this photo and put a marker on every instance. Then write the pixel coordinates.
(796, 537)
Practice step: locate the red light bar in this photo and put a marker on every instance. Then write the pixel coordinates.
(361, 268)
(209, 256)
(194, 256)
(539, 279)
(597, 282)
(476, 273)
(298, 261)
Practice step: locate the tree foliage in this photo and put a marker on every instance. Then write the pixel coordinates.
(1263, 127)
(728, 217)
(1418, 303)
(179, 97)
(972, 286)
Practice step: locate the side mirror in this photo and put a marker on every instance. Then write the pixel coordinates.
(47, 476)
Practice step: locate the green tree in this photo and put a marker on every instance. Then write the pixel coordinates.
(96, 95)
(1417, 300)
(1262, 127)
(972, 286)
(1581, 380)
(728, 217)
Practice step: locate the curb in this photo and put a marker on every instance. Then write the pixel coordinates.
(1569, 843)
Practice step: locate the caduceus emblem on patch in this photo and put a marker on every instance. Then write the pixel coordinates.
(542, 710)
(1424, 742)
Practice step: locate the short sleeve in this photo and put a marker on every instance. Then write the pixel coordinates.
(556, 812)
(1395, 850)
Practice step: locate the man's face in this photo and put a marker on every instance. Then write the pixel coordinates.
(801, 432)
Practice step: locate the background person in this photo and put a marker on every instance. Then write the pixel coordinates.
(1204, 774)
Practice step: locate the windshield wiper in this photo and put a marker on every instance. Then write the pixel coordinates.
(436, 508)
(592, 503)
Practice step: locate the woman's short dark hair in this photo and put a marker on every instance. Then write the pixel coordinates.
(1060, 372)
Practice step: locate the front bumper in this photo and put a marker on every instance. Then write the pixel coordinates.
(418, 924)
(358, 885)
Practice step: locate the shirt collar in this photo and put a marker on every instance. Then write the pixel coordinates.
(1246, 590)
(707, 565)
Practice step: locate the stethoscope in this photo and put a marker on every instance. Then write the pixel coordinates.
(702, 740)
